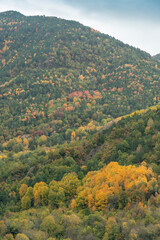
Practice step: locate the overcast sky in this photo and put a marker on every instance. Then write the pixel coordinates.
(136, 22)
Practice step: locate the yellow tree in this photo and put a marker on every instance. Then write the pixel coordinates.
(129, 183)
(23, 190)
(40, 191)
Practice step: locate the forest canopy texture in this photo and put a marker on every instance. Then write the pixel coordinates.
(79, 133)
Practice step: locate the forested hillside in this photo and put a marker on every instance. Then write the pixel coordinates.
(79, 144)
(103, 187)
(58, 76)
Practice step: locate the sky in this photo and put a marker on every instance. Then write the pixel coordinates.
(136, 22)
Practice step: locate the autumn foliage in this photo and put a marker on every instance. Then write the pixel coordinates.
(100, 187)
(126, 184)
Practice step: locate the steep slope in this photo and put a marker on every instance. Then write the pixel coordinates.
(58, 75)
(88, 188)
(133, 139)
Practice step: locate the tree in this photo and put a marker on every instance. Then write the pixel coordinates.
(23, 190)
(25, 202)
(26, 143)
(8, 237)
(42, 140)
(112, 229)
(48, 224)
(125, 182)
(72, 225)
(56, 194)
(21, 236)
(40, 192)
(3, 228)
(70, 184)
(26, 195)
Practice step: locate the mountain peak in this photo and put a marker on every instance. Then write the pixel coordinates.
(11, 14)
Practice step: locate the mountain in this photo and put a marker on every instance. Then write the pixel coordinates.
(79, 147)
(157, 56)
(58, 76)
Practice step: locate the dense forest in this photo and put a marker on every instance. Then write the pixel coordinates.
(58, 76)
(105, 186)
(79, 133)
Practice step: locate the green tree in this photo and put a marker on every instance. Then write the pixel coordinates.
(3, 228)
(25, 202)
(8, 237)
(48, 225)
(21, 236)
(56, 194)
(70, 184)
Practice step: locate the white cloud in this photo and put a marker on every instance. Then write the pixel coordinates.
(41, 7)
(140, 33)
